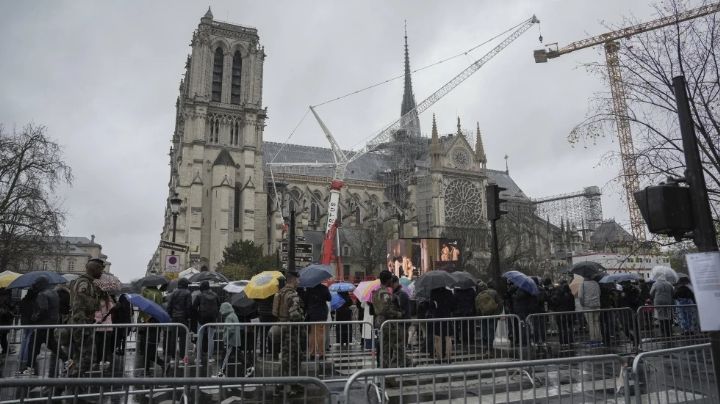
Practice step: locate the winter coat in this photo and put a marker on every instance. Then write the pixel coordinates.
(207, 306)
(562, 299)
(589, 295)
(316, 303)
(523, 303)
(6, 307)
(443, 303)
(264, 307)
(662, 293)
(684, 292)
(344, 312)
(464, 302)
(629, 297)
(180, 306)
(403, 301)
(46, 306)
(232, 334)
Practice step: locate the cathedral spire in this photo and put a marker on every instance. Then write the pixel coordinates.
(434, 131)
(479, 149)
(209, 14)
(459, 132)
(434, 146)
(411, 122)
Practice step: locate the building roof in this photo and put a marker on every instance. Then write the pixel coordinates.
(365, 168)
(503, 179)
(608, 233)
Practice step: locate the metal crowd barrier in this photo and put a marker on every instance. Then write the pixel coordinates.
(427, 342)
(326, 350)
(95, 351)
(174, 390)
(669, 326)
(675, 375)
(590, 332)
(565, 380)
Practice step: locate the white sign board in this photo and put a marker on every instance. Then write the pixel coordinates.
(705, 276)
(172, 263)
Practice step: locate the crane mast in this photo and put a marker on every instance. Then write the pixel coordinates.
(617, 89)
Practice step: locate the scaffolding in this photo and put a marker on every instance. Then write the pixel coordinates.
(581, 210)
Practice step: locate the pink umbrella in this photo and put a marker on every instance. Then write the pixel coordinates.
(365, 290)
(108, 283)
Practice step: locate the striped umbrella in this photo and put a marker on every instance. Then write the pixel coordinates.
(364, 290)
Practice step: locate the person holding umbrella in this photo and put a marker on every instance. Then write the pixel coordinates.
(85, 299)
(180, 310)
(386, 308)
(316, 300)
(589, 299)
(288, 307)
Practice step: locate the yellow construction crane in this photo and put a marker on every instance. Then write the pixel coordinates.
(610, 41)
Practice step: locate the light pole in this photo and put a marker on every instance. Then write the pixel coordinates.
(175, 203)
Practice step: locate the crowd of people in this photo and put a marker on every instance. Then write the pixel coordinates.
(83, 302)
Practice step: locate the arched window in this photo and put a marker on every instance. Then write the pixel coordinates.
(217, 75)
(358, 219)
(236, 70)
(235, 133)
(314, 211)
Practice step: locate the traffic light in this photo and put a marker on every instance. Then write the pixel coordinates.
(492, 194)
(666, 209)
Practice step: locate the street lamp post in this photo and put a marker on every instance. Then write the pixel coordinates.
(175, 202)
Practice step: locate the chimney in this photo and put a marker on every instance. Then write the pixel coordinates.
(92, 238)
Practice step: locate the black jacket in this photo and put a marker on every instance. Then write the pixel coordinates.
(465, 302)
(207, 307)
(180, 306)
(46, 306)
(443, 302)
(562, 299)
(316, 298)
(523, 303)
(344, 313)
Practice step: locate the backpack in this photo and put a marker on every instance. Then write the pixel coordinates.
(208, 307)
(485, 304)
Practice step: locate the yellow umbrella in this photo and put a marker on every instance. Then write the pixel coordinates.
(6, 277)
(263, 285)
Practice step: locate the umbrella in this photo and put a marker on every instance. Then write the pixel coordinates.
(342, 287)
(6, 277)
(522, 281)
(235, 287)
(243, 305)
(365, 290)
(27, 280)
(336, 301)
(71, 277)
(463, 280)
(587, 269)
(212, 277)
(433, 280)
(263, 285)
(312, 275)
(188, 273)
(148, 307)
(665, 272)
(621, 277)
(108, 283)
(152, 280)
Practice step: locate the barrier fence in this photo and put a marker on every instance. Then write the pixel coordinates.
(581, 379)
(326, 350)
(570, 333)
(669, 326)
(174, 390)
(425, 342)
(90, 350)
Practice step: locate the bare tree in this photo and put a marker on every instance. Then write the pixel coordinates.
(31, 167)
(648, 62)
(370, 247)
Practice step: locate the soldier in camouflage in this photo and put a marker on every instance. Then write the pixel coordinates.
(85, 299)
(288, 307)
(386, 308)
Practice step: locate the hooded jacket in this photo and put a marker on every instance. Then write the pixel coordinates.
(180, 304)
(232, 334)
(46, 306)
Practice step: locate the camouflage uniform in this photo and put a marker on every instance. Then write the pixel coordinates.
(289, 308)
(393, 340)
(85, 299)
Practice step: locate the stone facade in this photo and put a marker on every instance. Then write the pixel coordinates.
(65, 254)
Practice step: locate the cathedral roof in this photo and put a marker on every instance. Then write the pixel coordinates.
(224, 159)
(512, 190)
(366, 168)
(608, 233)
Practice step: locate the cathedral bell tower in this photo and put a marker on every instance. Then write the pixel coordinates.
(216, 163)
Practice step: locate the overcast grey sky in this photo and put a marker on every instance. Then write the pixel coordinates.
(103, 76)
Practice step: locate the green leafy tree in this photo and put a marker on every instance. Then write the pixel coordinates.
(243, 259)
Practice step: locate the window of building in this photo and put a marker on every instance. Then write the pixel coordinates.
(217, 75)
(346, 251)
(71, 265)
(236, 71)
(358, 218)
(235, 134)
(314, 211)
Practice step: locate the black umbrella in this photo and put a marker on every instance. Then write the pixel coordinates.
(587, 269)
(212, 277)
(463, 280)
(152, 280)
(243, 305)
(433, 280)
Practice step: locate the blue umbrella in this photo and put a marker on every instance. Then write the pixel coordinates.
(336, 301)
(312, 275)
(149, 307)
(27, 280)
(342, 287)
(620, 277)
(522, 281)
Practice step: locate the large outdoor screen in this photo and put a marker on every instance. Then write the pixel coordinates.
(412, 257)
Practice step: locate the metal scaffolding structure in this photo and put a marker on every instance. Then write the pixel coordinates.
(582, 209)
